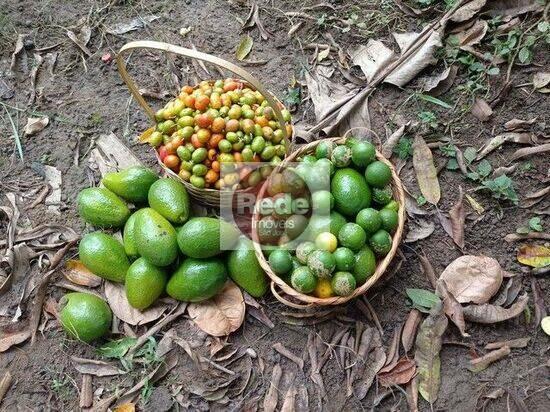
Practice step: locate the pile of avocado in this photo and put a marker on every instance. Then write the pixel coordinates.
(164, 249)
(350, 223)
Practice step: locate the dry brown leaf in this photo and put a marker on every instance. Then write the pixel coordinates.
(499, 140)
(80, 40)
(536, 256)
(514, 237)
(426, 173)
(515, 124)
(452, 308)
(512, 8)
(391, 141)
(474, 34)
(132, 25)
(529, 151)
(374, 363)
(458, 217)
(441, 83)
(428, 346)
(482, 363)
(469, 10)
(79, 274)
(481, 110)
(222, 314)
(473, 278)
(403, 371)
(488, 313)
(270, 400)
(35, 125)
(410, 328)
(419, 229)
(10, 339)
(538, 299)
(514, 343)
(372, 57)
(541, 79)
(427, 269)
(95, 367)
(116, 297)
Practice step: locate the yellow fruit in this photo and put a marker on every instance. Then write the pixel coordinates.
(326, 241)
(323, 289)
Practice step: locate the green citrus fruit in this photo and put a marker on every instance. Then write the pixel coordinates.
(378, 174)
(341, 156)
(381, 242)
(85, 316)
(369, 219)
(389, 220)
(326, 241)
(144, 283)
(352, 236)
(303, 250)
(382, 196)
(392, 205)
(325, 165)
(324, 149)
(303, 280)
(365, 265)
(350, 190)
(343, 283)
(345, 259)
(280, 261)
(322, 202)
(363, 154)
(352, 141)
(336, 222)
(321, 262)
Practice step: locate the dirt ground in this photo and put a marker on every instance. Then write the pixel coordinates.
(85, 97)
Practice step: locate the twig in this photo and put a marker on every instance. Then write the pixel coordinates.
(40, 198)
(5, 384)
(288, 354)
(15, 132)
(86, 392)
(374, 315)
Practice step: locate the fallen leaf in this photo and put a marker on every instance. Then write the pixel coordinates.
(497, 141)
(132, 25)
(452, 308)
(111, 155)
(35, 125)
(481, 110)
(245, 46)
(401, 373)
(323, 54)
(253, 19)
(458, 217)
(469, 10)
(422, 299)
(95, 367)
(19, 50)
(7, 340)
(488, 313)
(270, 400)
(538, 299)
(483, 362)
(391, 141)
(427, 269)
(541, 79)
(79, 274)
(519, 124)
(372, 57)
(474, 34)
(514, 343)
(116, 297)
(373, 364)
(512, 8)
(53, 177)
(514, 237)
(80, 42)
(473, 278)
(536, 256)
(441, 83)
(428, 347)
(222, 314)
(410, 328)
(125, 407)
(529, 151)
(426, 173)
(419, 229)
(475, 204)
(545, 325)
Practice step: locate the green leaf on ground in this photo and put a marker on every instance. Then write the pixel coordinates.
(422, 298)
(244, 47)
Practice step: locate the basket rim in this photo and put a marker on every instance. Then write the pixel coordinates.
(381, 267)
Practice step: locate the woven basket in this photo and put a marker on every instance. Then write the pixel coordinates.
(206, 196)
(300, 300)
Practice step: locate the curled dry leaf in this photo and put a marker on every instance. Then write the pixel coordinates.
(391, 141)
(10, 339)
(426, 173)
(472, 278)
(469, 10)
(483, 362)
(530, 151)
(545, 325)
(514, 343)
(519, 124)
(403, 371)
(428, 346)
(35, 125)
(499, 140)
(245, 46)
(541, 80)
(95, 367)
(537, 256)
(79, 274)
(481, 110)
(80, 40)
(116, 297)
(488, 313)
(132, 25)
(474, 34)
(441, 83)
(452, 308)
(458, 217)
(410, 328)
(419, 229)
(222, 314)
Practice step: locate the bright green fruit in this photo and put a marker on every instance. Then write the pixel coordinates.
(341, 156)
(129, 239)
(392, 205)
(382, 196)
(324, 149)
(322, 202)
(321, 262)
(343, 283)
(144, 283)
(245, 270)
(324, 166)
(203, 237)
(378, 174)
(169, 198)
(303, 280)
(104, 256)
(155, 237)
(309, 159)
(326, 241)
(85, 316)
(352, 236)
(381, 242)
(303, 250)
(365, 265)
(131, 184)
(336, 222)
(363, 153)
(369, 219)
(350, 190)
(352, 141)
(102, 208)
(389, 220)
(345, 259)
(280, 261)
(197, 280)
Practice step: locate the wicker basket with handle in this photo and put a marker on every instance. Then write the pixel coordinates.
(206, 196)
(300, 300)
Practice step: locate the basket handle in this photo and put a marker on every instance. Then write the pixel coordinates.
(287, 302)
(194, 54)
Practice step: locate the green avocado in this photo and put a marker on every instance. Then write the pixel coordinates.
(203, 237)
(104, 256)
(129, 239)
(351, 192)
(169, 198)
(245, 270)
(155, 237)
(131, 184)
(102, 208)
(144, 283)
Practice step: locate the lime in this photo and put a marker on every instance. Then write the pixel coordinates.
(321, 262)
(381, 242)
(336, 222)
(325, 165)
(324, 149)
(350, 190)
(352, 236)
(295, 225)
(389, 220)
(363, 153)
(85, 316)
(345, 259)
(322, 202)
(303, 250)
(378, 174)
(341, 156)
(280, 261)
(303, 280)
(323, 289)
(326, 241)
(352, 141)
(382, 196)
(144, 283)
(365, 265)
(343, 283)
(392, 205)
(369, 219)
